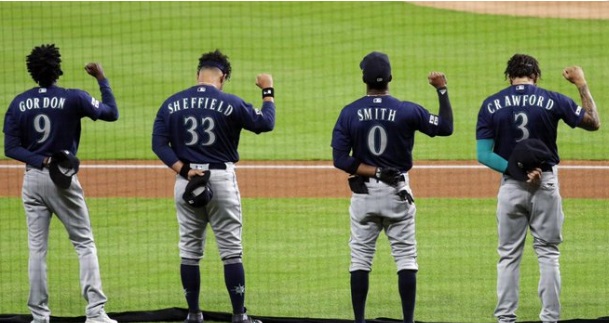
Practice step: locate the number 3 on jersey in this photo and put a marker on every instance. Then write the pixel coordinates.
(207, 124)
(521, 120)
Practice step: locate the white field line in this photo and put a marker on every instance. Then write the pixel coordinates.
(246, 166)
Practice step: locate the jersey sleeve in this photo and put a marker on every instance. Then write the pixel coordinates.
(105, 110)
(160, 139)
(12, 142)
(570, 111)
(341, 140)
(258, 120)
(342, 146)
(484, 129)
(424, 121)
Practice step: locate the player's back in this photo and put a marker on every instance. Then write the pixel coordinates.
(525, 111)
(382, 129)
(48, 119)
(204, 124)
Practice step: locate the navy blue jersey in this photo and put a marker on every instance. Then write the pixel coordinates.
(41, 121)
(203, 124)
(380, 130)
(525, 111)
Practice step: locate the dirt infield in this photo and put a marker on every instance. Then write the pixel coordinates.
(544, 9)
(284, 179)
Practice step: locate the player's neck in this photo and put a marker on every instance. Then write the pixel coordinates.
(209, 83)
(211, 79)
(377, 92)
(522, 80)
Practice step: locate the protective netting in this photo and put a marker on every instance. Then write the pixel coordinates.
(295, 203)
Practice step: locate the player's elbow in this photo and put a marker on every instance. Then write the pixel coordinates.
(446, 129)
(596, 126)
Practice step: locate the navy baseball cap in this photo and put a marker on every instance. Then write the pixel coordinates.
(376, 68)
(527, 155)
(62, 167)
(197, 192)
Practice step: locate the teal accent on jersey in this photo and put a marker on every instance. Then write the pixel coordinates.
(486, 156)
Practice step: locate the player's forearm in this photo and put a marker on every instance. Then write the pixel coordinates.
(265, 120)
(445, 113)
(13, 149)
(160, 146)
(486, 156)
(591, 120)
(110, 109)
(343, 161)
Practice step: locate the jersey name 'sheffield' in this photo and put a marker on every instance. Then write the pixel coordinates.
(380, 130)
(41, 121)
(525, 111)
(203, 125)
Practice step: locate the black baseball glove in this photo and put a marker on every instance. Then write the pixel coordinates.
(389, 175)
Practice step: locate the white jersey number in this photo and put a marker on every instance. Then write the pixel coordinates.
(42, 125)
(377, 140)
(521, 119)
(207, 124)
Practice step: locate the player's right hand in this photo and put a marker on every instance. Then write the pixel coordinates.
(264, 81)
(534, 176)
(575, 75)
(437, 79)
(95, 70)
(195, 172)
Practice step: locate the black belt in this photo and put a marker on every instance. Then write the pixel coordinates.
(546, 168)
(212, 165)
(217, 165)
(368, 179)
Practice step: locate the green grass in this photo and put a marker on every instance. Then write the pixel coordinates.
(297, 257)
(150, 50)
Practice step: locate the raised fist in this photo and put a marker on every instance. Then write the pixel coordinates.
(437, 79)
(264, 81)
(575, 75)
(95, 70)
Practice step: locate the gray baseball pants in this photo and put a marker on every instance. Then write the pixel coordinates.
(42, 199)
(520, 208)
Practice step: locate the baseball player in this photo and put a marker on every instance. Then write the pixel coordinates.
(196, 133)
(40, 123)
(524, 111)
(378, 130)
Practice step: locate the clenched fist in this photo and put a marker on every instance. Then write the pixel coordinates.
(575, 75)
(437, 79)
(264, 81)
(95, 70)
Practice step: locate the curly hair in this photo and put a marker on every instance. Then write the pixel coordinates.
(521, 65)
(44, 64)
(216, 59)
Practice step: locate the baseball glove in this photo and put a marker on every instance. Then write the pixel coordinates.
(389, 175)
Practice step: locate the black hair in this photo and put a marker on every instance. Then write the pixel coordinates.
(521, 65)
(44, 64)
(216, 59)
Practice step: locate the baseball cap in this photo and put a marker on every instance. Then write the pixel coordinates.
(62, 167)
(527, 155)
(197, 192)
(376, 68)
